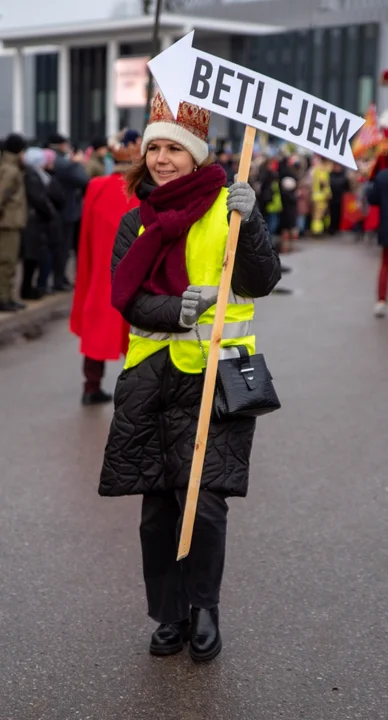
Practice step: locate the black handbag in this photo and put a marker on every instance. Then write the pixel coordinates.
(244, 386)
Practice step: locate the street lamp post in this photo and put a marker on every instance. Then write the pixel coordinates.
(154, 51)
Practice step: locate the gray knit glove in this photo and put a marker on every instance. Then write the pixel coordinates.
(241, 198)
(194, 305)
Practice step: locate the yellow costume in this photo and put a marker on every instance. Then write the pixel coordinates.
(321, 194)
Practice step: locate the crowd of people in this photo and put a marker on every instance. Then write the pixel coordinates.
(45, 192)
(302, 195)
(42, 193)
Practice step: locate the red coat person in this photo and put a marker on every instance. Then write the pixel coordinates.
(101, 328)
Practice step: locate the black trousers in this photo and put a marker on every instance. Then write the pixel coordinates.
(29, 267)
(66, 245)
(171, 586)
(335, 217)
(93, 372)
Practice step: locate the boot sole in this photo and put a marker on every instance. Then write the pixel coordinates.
(165, 651)
(205, 657)
(173, 649)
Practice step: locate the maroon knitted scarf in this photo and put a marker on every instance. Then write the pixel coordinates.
(155, 262)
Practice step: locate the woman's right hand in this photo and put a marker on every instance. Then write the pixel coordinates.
(194, 305)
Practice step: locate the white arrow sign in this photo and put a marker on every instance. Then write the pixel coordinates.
(184, 73)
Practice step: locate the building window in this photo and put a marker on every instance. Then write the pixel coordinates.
(365, 93)
(368, 47)
(302, 60)
(332, 90)
(88, 92)
(46, 99)
(52, 103)
(41, 104)
(333, 66)
(97, 109)
(337, 64)
(351, 64)
(318, 63)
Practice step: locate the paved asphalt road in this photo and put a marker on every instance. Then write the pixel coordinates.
(305, 598)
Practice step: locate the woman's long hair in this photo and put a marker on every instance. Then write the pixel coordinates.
(139, 172)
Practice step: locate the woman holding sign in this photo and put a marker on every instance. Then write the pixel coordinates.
(167, 264)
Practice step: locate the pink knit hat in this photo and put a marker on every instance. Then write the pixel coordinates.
(49, 156)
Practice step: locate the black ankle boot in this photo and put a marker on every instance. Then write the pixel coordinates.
(99, 397)
(169, 639)
(205, 643)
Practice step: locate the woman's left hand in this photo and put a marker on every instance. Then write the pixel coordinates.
(241, 198)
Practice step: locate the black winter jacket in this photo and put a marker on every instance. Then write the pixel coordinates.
(58, 200)
(152, 436)
(41, 214)
(73, 180)
(339, 185)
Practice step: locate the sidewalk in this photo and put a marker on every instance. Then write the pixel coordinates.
(30, 323)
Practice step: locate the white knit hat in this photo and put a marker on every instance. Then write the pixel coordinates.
(189, 129)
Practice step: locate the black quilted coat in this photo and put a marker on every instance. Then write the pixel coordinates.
(151, 440)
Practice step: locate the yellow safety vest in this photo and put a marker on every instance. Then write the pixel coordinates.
(275, 206)
(205, 251)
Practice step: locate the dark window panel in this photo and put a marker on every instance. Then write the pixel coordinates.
(334, 66)
(309, 61)
(75, 84)
(337, 64)
(318, 63)
(46, 82)
(369, 36)
(301, 61)
(351, 68)
(325, 64)
(88, 89)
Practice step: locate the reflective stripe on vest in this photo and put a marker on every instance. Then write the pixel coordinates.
(231, 330)
(205, 250)
(209, 291)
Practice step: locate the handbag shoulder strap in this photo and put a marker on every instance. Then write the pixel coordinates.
(196, 330)
(245, 360)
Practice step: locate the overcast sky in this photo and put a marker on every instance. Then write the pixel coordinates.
(24, 13)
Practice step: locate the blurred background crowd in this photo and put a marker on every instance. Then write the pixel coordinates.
(42, 190)
(300, 195)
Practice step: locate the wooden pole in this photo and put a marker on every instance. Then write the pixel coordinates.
(214, 353)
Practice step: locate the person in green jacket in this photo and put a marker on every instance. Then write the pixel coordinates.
(95, 166)
(13, 217)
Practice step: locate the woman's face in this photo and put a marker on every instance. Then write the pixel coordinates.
(168, 161)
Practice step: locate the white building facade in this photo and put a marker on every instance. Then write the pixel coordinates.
(62, 76)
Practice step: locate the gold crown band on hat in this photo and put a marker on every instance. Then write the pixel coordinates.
(190, 128)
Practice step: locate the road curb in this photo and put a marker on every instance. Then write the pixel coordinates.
(31, 322)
